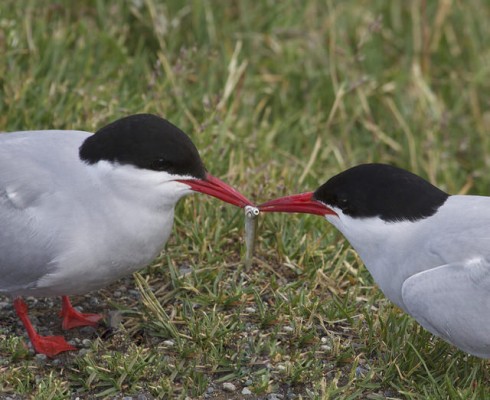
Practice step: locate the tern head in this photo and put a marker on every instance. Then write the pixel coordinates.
(368, 190)
(150, 144)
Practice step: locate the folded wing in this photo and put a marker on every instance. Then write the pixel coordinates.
(453, 301)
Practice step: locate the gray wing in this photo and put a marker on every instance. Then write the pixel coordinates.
(453, 301)
(29, 195)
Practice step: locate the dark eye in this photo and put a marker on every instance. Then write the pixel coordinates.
(160, 164)
(343, 203)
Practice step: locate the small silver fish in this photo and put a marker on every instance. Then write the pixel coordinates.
(251, 214)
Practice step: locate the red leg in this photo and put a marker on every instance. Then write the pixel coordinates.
(72, 318)
(49, 345)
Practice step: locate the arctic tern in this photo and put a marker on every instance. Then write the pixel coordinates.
(80, 210)
(428, 251)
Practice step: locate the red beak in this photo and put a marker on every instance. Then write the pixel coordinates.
(217, 188)
(297, 203)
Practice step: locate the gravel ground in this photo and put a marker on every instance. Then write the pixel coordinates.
(43, 313)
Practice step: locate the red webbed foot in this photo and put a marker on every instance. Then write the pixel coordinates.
(49, 345)
(73, 318)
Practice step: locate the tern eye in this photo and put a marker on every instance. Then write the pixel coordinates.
(343, 203)
(161, 164)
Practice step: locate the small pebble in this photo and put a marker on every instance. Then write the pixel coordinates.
(229, 387)
(117, 293)
(325, 347)
(114, 319)
(361, 371)
(210, 390)
(4, 304)
(291, 395)
(281, 367)
(184, 270)
(169, 343)
(94, 301)
(41, 358)
(250, 310)
(246, 391)
(248, 382)
(288, 328)
(275, 396)
(86, 343)
(82, 352)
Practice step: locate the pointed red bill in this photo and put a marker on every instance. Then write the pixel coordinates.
(297, 203)
(214, 187)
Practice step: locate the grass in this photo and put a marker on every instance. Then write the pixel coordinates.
(277, 96)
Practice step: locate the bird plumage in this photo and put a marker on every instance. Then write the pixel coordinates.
(60, 237)
(80, 210)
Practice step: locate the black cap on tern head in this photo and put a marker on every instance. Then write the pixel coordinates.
(379, 190)
(145, 141)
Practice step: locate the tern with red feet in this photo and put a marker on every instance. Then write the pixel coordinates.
(80, 210)
(428, 251)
